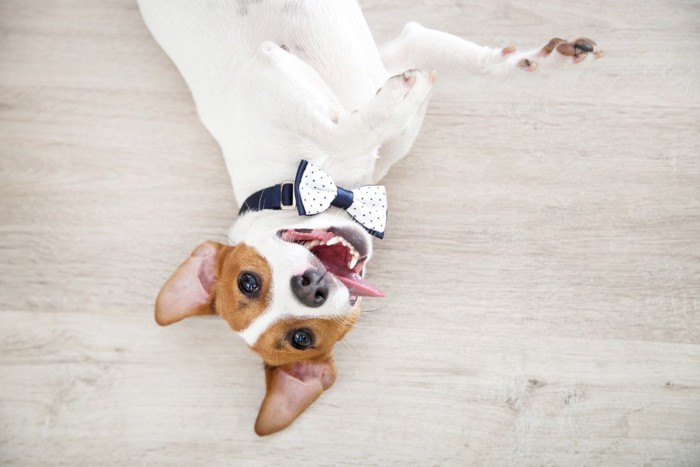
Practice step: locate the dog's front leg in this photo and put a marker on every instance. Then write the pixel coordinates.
(452, 56)
(385, 115)
(283, 89)
(381, 119)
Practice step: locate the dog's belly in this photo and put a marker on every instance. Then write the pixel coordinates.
(209, 40)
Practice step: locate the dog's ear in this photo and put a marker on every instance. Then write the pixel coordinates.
(188, 291)
(290, 390)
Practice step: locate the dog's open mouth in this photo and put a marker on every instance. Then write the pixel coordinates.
(342, 252)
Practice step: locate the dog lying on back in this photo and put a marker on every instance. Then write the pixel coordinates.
(309, 114)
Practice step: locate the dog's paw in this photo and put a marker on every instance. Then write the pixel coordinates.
(402, 95)
(576, 51)
(557, 53)
(396, 102)
(412, 84)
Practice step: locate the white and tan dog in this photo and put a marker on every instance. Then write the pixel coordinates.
(275, 82)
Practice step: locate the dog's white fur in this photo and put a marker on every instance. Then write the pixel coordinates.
(276, 81)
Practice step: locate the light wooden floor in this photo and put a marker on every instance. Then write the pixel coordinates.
(542, 261)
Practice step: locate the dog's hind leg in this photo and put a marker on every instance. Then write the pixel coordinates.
(454, 57)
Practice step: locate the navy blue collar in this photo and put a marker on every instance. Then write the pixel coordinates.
(280, 196)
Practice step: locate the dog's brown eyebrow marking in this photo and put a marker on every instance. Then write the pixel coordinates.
(272, 346)
(238, 310)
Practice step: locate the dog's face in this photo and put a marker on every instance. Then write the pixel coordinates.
(291, 292)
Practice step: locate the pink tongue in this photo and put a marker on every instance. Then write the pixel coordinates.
(335, 259)
(359, 286)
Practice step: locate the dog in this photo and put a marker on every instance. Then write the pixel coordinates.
(298, 95)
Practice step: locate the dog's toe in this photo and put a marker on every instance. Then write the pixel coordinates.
(551, 45)
(527, 64)
(567, 49)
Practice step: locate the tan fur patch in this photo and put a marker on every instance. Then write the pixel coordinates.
(237, 308)
(275, 349)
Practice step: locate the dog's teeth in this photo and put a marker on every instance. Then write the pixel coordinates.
(352, 249)
(354, 259)
(313, 243)
(334, 240)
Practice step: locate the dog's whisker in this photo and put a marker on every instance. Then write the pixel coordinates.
(348, 345)
(373, 310)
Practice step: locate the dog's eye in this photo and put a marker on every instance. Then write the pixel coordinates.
(302, 339)
(248, 283)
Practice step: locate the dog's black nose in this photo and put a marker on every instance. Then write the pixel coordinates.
(311, 288)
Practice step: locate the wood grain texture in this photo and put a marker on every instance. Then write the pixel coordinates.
(542, 261)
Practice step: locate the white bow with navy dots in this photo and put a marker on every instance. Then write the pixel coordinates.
(316, 192)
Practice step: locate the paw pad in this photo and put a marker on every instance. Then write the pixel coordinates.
(527, 64)
(578, 49)
(409, 77)
(551, 45)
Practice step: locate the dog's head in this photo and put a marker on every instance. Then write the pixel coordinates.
(291, 291)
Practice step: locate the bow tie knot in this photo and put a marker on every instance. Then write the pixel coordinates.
(316, 192)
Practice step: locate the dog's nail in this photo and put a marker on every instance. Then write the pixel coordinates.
(508, 50)
(584, 45)
(599, 54)
(433, 76)
(582, 50)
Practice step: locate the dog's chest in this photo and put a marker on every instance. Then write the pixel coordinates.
(331, 37)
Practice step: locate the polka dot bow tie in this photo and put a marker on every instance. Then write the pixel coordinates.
(313, 191)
